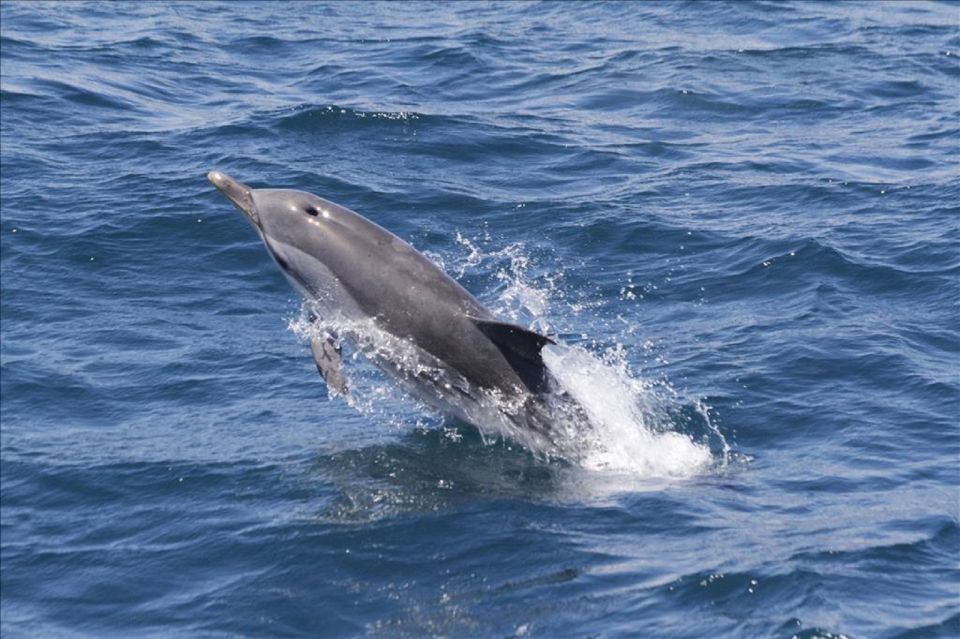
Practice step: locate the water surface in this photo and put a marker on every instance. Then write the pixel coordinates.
(741, 218)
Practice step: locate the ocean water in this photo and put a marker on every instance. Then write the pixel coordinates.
(739, 219)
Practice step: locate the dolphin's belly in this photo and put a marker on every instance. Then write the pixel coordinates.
(449, 336)
(316, 283)
(524, 417)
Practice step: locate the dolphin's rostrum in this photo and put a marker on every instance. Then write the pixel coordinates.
(457, 355)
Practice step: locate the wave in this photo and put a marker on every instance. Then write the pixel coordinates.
(313, 118)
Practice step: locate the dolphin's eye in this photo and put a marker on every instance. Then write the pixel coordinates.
(312, 210)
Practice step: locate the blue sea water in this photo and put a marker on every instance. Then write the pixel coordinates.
(741, 220)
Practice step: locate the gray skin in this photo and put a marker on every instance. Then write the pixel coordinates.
(332, 254)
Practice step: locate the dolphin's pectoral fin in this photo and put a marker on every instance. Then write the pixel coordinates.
(326, 354)
(521, 348)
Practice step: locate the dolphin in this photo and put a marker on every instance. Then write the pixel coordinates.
(444, 345)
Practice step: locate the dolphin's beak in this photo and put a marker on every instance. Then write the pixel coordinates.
(237, 192)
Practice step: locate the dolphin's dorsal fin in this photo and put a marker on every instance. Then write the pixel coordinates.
(327, 357)
(521, 348)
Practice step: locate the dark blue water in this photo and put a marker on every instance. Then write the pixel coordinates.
(741, 219)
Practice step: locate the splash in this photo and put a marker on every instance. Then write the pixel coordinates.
(644, 428)
(629, 429)
(633, 426)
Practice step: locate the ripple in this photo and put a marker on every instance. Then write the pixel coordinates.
(750, 209)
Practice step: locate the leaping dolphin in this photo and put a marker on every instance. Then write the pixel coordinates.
(455, 353)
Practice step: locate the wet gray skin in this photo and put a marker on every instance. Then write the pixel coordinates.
(335, 255)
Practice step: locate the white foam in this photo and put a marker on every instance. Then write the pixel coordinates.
(625, 432)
